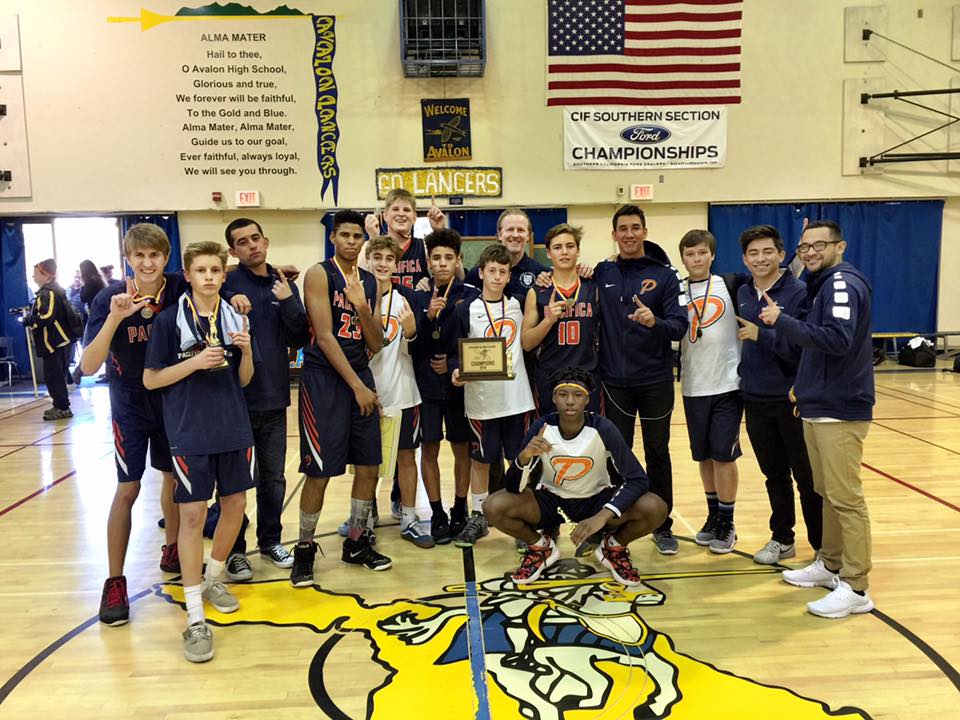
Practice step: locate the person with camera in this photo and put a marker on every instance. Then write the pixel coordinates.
(51, 320)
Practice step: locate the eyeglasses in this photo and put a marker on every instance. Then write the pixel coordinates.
(818, 246)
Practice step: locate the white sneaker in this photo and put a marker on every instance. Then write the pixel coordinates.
(841, 602)
(812, 575)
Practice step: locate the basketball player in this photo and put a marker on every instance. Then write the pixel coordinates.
(514, 232)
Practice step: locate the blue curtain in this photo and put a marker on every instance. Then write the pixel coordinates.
(167, 223)
(13, 288)
(476, 222)
(896, 244)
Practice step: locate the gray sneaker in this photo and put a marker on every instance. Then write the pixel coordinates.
(475, 529)
(725, 540)
(707, 532)
(773, 552)
(198, 643)
(666, 543)
(220, 598)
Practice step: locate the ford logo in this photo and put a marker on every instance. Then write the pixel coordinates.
(645, 134)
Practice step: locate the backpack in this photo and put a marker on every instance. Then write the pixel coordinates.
(74, 321)
(919, 352)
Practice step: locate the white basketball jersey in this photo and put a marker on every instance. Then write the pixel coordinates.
(575, 468)
(392, 367)
(487, 399)
(710, 351)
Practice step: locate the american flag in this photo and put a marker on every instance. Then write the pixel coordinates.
(643, 52)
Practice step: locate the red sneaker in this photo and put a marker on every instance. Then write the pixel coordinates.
(170, 558)
(114, 606)
(536, 559)
(617, 559)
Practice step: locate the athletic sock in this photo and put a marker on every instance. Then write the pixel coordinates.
(861, 593)
(437, 508)
(478, 499)
(359, 514)
(193, 594)
(725, 512)
(712, 503)
(459, 506)
(308, 526)
(408, 516)
(214, 571)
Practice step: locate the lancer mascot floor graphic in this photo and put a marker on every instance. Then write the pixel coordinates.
(571, 646)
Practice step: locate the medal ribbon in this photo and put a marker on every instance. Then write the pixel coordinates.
(503, 315)
(569, 300)
(211, 338)
(153, 301)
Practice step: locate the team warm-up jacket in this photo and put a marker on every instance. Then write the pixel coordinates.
(632, 354)
(279, 325)
(432, 386)
(576, 467)
(49, 319)
(769, 365)
(835, 375)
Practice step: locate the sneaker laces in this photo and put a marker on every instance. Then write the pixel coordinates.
(240, 562)
(619, 557)
(115, 592)
(196, 631)
(535, 556)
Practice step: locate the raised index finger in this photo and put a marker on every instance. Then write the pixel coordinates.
(543, 429)
(770, 300)
(283, 278)
(246, 324)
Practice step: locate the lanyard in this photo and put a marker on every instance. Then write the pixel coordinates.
(386, 319)
(503, 315)
(567, 298)
(702, 310)
(342, 273)
(153, 301)
(211, 338)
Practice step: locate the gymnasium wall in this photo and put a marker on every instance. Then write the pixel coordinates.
(105, 130)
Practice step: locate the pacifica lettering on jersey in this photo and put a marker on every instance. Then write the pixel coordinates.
(581, 309)
(340, 301)
(409, 267)
(138, 333)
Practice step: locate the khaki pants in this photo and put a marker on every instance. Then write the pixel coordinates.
(835, 450)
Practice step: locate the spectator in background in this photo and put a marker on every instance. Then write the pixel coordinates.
(73, 295)
(49, 320)
(107, 271)
(92, 284)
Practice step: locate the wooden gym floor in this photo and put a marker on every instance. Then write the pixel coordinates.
(708, 636)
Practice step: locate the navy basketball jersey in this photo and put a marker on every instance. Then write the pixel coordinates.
(344, 320)
(412, 264)
(128, 347)
(572, 342)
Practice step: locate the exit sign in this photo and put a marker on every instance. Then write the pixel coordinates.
(250, 198)
(641, 192)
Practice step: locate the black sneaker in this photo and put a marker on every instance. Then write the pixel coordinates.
(440, 528)
(361, 552)
(303, 556)
(114, 605)
(475, 529)
(457, 523)
(238, 568)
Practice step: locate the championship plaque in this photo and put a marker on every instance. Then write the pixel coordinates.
(484, 359)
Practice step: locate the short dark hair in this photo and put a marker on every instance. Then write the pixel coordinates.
(493, 254)
(344, 217)
(444, 237)
(629, 210)
(835, 233)
(575, 375)
(692, 238)
(758, 232)
(236, 225)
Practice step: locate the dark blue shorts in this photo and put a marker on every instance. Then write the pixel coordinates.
(411, 428)
(333, 433)
(449, 413)
(713, 424)
(137, 423)
(576, 509)
(197, 476)
(543, 396)
(497, 436)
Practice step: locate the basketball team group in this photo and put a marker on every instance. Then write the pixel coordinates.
(398, 343)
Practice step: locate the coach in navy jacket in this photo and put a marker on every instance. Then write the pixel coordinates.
(278, 321)
(835, 394)
(642, 310)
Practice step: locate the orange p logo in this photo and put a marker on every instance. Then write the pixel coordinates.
(570, 468)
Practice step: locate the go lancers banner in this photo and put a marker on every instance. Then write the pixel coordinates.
(615, 139)
(427, 182)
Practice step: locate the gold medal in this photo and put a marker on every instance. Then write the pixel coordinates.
(146, 313)
(435, 334)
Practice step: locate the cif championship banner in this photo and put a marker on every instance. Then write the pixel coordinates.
(626, 139)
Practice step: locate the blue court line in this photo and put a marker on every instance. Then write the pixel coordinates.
(478, 664)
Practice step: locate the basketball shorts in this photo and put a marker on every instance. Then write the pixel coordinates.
(498, 437)
(197, 476)
(437, 415)
(137, 424)
(713, 424)
(575, 509)
(333, 432)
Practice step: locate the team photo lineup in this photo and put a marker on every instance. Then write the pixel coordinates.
(535, 377)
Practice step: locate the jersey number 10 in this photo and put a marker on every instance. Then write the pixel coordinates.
(568, 332)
